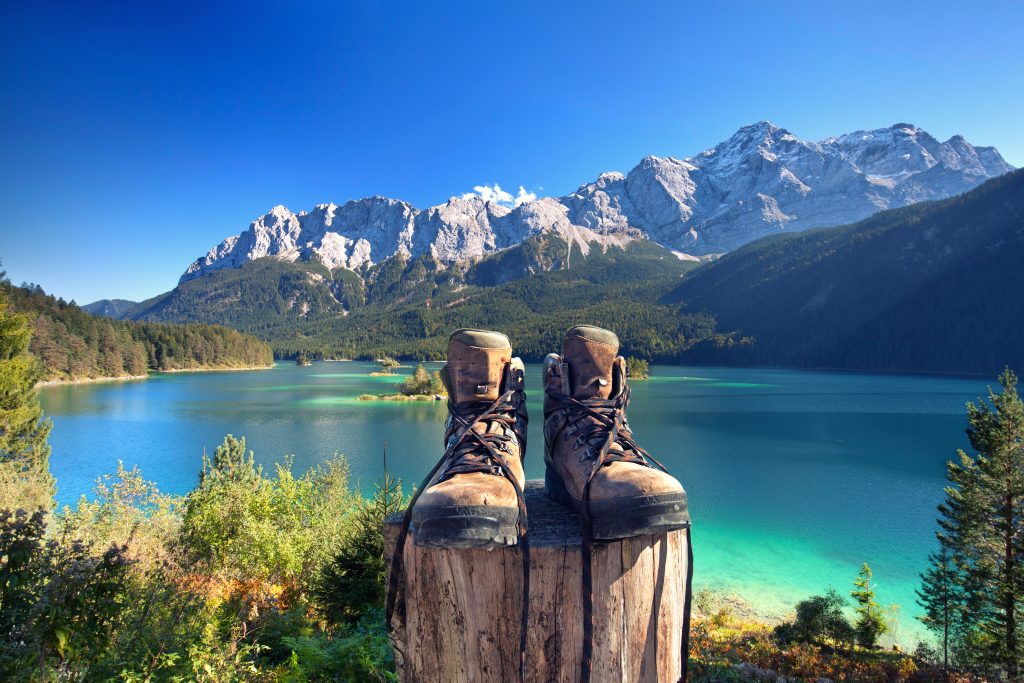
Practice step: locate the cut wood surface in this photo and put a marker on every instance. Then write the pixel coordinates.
(462, 607)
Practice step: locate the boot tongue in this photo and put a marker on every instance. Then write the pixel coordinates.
(476, 365)
(590, 353)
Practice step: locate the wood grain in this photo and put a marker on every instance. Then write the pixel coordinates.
(461, 616)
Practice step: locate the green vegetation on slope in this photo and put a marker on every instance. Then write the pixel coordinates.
(72, 344)
(932, 287)
(111, 308)
(406, 308)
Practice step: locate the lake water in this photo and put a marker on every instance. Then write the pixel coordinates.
(794, 478)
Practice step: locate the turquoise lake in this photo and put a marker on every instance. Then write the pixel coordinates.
(794, 477)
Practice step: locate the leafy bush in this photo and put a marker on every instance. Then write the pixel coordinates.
(244, 524)
(819, 620)
(359, 653)
(60, 602)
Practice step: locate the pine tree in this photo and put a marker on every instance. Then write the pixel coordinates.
(940, 598)
(231, 463)
(870, 623)
(981, 526)
(352, 583)
(25, 479)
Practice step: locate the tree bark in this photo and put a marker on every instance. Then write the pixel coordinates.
(462, 607)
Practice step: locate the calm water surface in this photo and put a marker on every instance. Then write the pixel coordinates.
(794, 478)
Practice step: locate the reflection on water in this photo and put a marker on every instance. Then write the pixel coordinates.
(794, 478)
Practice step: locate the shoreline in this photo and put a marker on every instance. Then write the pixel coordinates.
(136, 378)
(224, 369)
(400, 398)
(90, 380)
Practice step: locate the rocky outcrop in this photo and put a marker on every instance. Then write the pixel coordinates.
(760, 181)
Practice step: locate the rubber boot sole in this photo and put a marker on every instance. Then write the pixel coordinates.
(625, 517)
(470, 526)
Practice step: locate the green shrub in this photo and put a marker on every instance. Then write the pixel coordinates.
(819, 620)
(361, 653)
(60, 602)
(243, 524)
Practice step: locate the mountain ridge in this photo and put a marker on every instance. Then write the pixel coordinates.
(933, 287)
(762, 180)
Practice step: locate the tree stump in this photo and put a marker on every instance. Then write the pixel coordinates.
(462, 607)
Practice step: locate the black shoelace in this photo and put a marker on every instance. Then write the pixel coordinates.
(608, 427)
(470, 451)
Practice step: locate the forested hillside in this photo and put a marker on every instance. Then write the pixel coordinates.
(73, 344)
(111, 308)
(407, 307)
(935, 287)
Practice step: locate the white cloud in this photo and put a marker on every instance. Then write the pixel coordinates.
(494, 193)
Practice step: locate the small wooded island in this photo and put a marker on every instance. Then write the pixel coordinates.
(421, 385)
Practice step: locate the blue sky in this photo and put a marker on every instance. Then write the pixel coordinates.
(134, 136)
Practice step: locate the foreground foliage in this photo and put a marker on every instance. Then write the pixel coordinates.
(726, 647)
(249, 577)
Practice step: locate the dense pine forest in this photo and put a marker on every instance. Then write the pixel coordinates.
(934, 287)
(72, 344)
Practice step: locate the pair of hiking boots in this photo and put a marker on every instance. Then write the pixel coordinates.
(474, 497)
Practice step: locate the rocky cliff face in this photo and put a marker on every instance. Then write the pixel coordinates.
(760, 181)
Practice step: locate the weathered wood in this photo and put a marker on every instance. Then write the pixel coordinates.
(462, 607)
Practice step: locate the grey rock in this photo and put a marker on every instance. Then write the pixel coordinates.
(762, 180)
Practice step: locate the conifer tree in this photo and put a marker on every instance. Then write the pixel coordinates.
(940, 598)
(870, 623)
(25, 479)
(982, 532)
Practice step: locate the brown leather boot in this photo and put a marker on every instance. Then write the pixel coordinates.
(473, 497)
(592, 461)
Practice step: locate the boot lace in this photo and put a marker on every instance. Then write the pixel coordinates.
(471, 451)
(598, 424)
(468, 450)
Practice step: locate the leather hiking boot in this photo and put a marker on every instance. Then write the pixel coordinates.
(473, 497)
(592, 461)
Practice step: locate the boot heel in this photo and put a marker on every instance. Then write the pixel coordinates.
(554, 487)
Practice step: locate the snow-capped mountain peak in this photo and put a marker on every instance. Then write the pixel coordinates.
(761, 180)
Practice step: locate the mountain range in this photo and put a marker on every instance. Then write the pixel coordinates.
(763, 180)
(905, 288)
